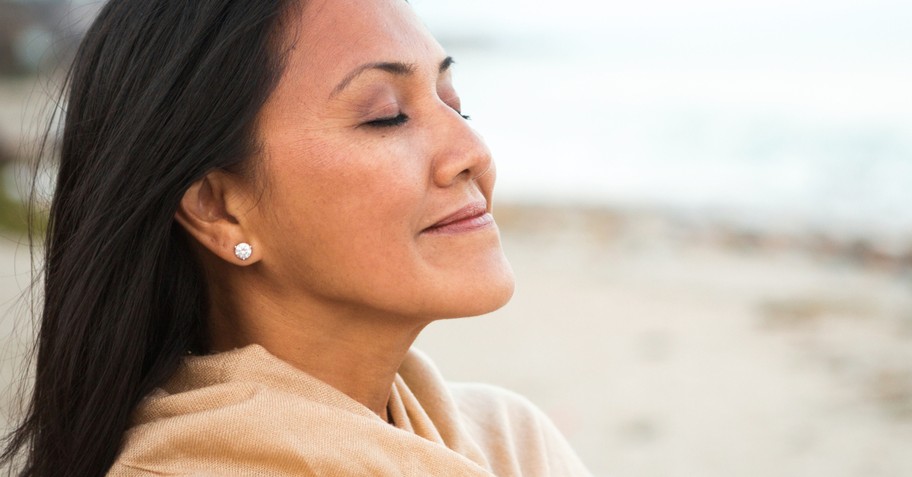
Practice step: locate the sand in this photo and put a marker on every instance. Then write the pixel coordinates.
(663, 350)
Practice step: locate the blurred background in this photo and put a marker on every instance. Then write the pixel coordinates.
(708, 206)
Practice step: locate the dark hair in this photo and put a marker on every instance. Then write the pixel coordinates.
(160, 93)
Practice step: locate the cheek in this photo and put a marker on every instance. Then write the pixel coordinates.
(341, 203)
(355, 181)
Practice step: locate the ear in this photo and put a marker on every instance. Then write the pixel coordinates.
(213, 211)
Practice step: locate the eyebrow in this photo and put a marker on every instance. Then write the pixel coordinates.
(396, 68)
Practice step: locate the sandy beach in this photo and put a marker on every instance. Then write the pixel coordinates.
(664, 350)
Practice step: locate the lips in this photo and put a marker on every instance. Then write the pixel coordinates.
(471, 217)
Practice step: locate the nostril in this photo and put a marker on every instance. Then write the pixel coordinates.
(485, 171)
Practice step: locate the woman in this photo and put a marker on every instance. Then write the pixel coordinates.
(259, 207)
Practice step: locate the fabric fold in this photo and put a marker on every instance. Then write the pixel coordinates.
(245, 412)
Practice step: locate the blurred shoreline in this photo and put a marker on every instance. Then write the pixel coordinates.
(607, 225)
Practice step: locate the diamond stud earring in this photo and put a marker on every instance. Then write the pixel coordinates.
(243, 250)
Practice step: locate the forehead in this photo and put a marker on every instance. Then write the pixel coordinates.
(330, 38)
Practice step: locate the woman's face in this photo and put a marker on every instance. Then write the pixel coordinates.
(378, 192)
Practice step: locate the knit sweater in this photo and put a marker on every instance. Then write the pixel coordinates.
(246, 412)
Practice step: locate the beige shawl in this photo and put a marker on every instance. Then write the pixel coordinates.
(245, 412)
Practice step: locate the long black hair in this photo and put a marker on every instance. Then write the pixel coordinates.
(160, 93)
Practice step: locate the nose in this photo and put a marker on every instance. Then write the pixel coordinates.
(461, 154)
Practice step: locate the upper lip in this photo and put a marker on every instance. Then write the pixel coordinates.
(471, 210)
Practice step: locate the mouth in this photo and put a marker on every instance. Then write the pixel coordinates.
(473, 216)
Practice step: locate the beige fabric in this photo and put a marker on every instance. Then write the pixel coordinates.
(246, 412)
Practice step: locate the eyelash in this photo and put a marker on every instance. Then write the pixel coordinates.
(394, 121)
(399, 120)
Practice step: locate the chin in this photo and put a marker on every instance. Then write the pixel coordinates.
(482, 295)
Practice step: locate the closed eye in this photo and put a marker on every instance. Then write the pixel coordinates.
(397, 120)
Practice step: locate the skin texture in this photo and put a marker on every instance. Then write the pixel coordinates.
(345, 271)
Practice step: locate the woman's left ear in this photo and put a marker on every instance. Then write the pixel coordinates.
(215, 211)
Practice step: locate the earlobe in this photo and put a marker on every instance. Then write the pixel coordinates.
(204, 213)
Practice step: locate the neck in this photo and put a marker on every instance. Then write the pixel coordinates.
(356, 352)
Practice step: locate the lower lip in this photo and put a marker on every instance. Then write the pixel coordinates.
(466, 225)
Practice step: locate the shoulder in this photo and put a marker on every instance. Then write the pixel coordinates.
(515, 436)
(487, 403)
(245, 413)
(505, 423)
(496, 410)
